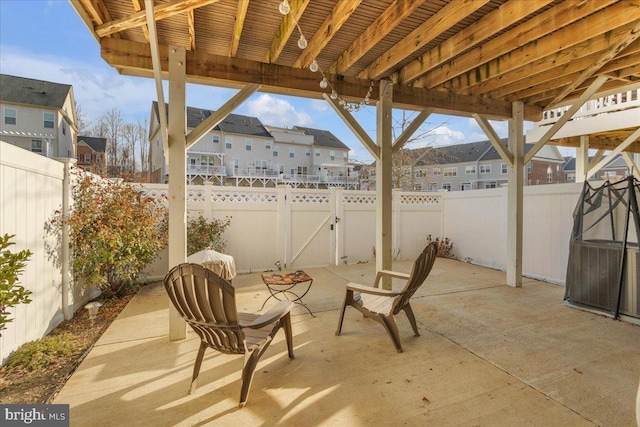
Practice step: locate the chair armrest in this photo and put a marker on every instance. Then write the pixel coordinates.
(364, 289)
(396, 274)
(274, 314)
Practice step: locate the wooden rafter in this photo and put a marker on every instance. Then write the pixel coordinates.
(627, 39)
(162, 11)
(285, 30)
(97, 11)
(241, 14)
(334, 21)
(379, 29)
(191, 23)
(506, 15)
(472, 68)
(452, 13)
(135, 58)
(138, 6)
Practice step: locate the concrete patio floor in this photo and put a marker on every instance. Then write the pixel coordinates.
(488, 354)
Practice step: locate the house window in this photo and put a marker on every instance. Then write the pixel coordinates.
(302, 170)
(228, 142)
(446, 186)
(529, 167)
(216, 139)
(485, 168)
(436, 171)
(465, 186)
(450, 171)
(317, 153)
(490, 184)
(48, 120)
(345, 156)
(87, 157)
(570, 177)
(420, 173)
(10, 116)
(308, 152)
(64, 128)
(267, 145)
(207, 160)
(292, 153)
(417, 186)
(261, 164)
(504, 169)
(36, 146)
(192, 161)
(275, 151)
(98, 158)
(470, 170)
(332, 154)
(247, 144)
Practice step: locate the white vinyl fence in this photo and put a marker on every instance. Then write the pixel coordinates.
(299, 227)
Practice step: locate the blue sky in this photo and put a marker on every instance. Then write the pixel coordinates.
(46, 40)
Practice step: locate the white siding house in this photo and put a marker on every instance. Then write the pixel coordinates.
(38, 116)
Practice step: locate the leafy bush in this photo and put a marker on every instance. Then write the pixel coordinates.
(11, 265)
(41, 353)
(114, 232)
(445, 247)
(203, 234)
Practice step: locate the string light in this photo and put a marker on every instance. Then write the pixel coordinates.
(284, 7)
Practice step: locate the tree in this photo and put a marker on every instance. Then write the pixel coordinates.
(83, 123)
(143, 146)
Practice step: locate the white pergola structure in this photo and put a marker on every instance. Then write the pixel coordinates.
(488, 59)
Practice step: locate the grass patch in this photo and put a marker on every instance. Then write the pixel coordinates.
(44, 352)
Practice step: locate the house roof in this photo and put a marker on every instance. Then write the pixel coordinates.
(233, 123)
(97, 144)
(21, 90)
(616, 163)
(323, 138)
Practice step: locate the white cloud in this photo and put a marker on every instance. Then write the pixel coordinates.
(319, 105)
(277, 112)
(444, 135)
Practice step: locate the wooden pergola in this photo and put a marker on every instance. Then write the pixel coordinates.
(489, 59)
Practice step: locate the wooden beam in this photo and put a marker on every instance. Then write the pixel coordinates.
(135, 58)
(484, 124)
(162, 11)
(355, 127)
(627, 142)
(492, 23)
(384, 181)
(629, 38)
(191, 23)
(379, 29)
(411, 129)
(515, 198)
(288, 24)
(536, 38)
(334, 21)
(220, 114)
(454, 12)
(98, 13)
(156, 66)
(597, 84)
(138, 5)
(241, 15)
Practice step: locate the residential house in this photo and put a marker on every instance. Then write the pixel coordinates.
(39, 116)
(470, 166)
(241, 151)
(92, 153)
(615, 170)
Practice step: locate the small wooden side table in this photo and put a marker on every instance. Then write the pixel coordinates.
(283, 284)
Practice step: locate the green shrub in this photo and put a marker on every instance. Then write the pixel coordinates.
(203, 234)
(41, 353)
(114, 232)
(11, 265)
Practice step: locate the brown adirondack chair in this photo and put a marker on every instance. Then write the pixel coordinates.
(381, 304)
(208, 304)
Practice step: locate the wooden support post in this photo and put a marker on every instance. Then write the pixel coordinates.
(384, 181)
(515, 197)
(582, 159)
(177, 175)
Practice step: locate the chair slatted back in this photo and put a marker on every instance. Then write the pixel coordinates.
(419, 272)
(208, 304)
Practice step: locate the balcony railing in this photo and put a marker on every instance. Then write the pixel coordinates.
(205, 170)
(607, 104)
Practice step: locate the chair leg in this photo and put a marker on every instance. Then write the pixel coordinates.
(286, 325)
(412, 319)
(196, 367)
(250, 363)
(347, 299)
(390, 325)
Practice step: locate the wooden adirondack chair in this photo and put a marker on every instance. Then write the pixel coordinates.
(207, 303)
(381, 304)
